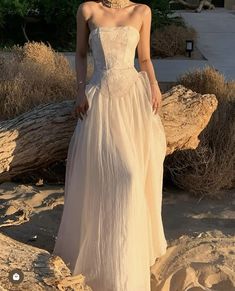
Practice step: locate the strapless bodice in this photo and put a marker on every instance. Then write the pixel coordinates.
(113, 47)
(113, 50)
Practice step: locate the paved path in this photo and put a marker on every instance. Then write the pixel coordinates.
(216, 42)
(216, 37)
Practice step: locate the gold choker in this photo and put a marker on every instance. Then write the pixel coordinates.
(116, 3)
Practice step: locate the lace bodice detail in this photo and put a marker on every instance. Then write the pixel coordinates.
(113, 50)
(113, 46)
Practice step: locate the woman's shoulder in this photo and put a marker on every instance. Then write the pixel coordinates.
(88, 4)
(142, 7)
(87, 7)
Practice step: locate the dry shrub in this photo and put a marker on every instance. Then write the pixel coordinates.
(209, 80)
(170, 40)
(209, 168)
(34, 74)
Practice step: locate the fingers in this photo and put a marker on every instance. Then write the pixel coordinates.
(153, 105)
(79, 111)
(84, 109)
(156, 107)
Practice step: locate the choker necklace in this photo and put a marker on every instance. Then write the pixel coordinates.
(116, 3)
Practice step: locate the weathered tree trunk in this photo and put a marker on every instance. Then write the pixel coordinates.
(40, 137)
(41, 270)
(185, 114)
(35, 139)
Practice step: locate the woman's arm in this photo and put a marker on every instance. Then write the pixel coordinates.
(82, 35)
(143, 50)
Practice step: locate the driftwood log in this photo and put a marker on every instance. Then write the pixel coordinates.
(42, 271)
(41, 137)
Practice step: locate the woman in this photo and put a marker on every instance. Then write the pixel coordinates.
(111, 229)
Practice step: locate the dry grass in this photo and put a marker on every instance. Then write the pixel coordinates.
(170, 40)
(34, 74)
(209, 80)
(211, 167)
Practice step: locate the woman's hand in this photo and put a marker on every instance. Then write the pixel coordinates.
(81, 106)
(156, 98)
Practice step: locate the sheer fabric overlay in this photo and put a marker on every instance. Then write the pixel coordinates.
(111, 229)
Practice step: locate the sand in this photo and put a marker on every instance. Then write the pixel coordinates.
(200, 233)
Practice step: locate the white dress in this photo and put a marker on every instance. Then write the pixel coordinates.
(111, 229)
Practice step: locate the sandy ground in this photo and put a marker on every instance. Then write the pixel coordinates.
(200, 233)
